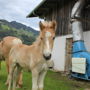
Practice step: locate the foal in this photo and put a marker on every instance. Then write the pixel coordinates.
(33, 57)
(5, 46)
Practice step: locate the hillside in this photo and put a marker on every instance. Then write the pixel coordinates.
(27, 34)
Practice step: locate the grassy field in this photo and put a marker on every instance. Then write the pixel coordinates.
(53, 81)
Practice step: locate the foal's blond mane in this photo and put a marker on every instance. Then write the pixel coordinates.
(38, 40)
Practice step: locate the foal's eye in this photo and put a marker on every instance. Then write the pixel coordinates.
(41, 38)
(53, 38)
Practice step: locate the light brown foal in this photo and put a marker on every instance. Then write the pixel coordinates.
(33, 57)
(5, 46)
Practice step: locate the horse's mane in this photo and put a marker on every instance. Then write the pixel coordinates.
(37, 41)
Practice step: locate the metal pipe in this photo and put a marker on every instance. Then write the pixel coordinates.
(76, 11)
(77, 24)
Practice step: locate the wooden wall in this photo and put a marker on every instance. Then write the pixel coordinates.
(61, 12)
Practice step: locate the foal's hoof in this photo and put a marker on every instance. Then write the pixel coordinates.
(50, 67)
(6, 83)
(19, 86)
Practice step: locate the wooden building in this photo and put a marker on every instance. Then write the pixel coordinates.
(60, 10)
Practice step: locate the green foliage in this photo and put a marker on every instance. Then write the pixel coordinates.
(5, 27)
(26, 36)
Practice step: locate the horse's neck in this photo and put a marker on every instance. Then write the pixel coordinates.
(39, 46)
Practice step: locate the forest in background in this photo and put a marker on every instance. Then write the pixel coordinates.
(25, 33)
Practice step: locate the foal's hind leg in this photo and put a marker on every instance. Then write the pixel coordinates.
(10, 76)
(7, 67)
(41, 79)
(19, 80)
(15, 76)
(7, 64)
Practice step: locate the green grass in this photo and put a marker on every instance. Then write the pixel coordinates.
(53, 81)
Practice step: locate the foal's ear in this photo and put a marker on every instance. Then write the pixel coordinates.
(41, 25)
(54, 24)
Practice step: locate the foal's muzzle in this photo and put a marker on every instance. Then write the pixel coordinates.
(47, 57)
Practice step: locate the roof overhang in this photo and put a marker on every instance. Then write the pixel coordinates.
(45, 7)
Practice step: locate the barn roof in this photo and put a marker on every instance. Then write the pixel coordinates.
(45, 7)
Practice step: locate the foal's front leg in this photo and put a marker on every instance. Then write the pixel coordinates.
(7, 66)
(35, 75)
(41, 80)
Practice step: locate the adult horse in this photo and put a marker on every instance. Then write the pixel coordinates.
(5, 46)
(33, 57)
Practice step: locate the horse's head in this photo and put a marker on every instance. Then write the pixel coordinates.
(47, 35)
